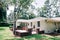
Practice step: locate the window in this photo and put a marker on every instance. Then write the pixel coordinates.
(38, 23)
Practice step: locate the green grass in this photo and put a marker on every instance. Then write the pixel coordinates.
(2, 29)
(6, 34)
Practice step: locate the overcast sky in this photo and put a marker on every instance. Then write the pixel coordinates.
(36, 3)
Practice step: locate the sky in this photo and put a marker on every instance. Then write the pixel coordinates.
(36, 3)
(11, 8)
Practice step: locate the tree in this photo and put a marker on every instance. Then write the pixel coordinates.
(31, 16)
(46, 10)
(42, 12)
(20, 7)
(2, 12)
(23, 7)
(50, 9)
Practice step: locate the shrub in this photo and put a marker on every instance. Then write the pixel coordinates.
(4, 24)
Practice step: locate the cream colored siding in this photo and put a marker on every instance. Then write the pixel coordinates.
(36, 25)
(50, 27)
(29, 26)
(42, 25)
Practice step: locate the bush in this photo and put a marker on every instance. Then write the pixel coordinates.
(4, 24)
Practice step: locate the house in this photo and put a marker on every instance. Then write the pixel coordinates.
(53, 24)
(48, 25)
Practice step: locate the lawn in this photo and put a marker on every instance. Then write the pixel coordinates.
(6, 34)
